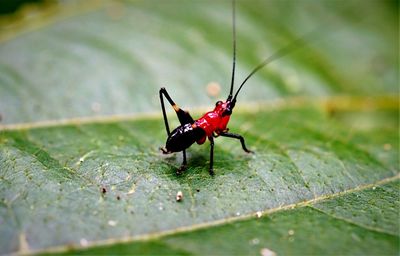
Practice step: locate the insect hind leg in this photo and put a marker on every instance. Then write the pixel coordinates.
(184, 118)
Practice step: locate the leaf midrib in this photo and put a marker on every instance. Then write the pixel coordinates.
(209, 224)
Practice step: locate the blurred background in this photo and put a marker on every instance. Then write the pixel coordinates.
(7, 7)
(68, 59)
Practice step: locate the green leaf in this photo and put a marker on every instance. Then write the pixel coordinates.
(330, 227)
(79, 175)
(53, 180)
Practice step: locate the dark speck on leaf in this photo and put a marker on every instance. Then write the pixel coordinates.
(103, 190)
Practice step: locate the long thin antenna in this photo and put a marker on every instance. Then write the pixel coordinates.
(234, 49)
(294, 45)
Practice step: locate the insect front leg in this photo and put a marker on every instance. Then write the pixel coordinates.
(211, 155)
(236, 136)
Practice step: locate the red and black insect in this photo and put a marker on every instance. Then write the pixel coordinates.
(214, 123)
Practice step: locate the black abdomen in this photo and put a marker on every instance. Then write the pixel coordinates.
(183, 137)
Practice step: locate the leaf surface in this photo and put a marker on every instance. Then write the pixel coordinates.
(99, 181)
(323, 123)
(304, 230)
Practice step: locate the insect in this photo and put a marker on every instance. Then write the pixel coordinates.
(213, 123)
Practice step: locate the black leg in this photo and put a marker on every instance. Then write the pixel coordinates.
(236, 136)
(163, 110)
(211, 155)
(184, 157)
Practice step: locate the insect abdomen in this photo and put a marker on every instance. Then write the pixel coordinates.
(183, 137)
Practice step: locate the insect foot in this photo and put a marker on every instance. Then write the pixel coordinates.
(164, 151)
(211, 171)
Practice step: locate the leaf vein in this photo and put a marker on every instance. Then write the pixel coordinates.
(374, 229)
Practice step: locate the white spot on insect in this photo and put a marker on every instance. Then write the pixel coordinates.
(291, 232)
(187, 127)
(96, 107)
(83, 242)
(179, 196)
(213, 89)
(267, 252)
(387, 146)
(112, 223)
(258, 214)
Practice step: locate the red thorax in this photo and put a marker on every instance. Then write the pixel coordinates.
(213, 121)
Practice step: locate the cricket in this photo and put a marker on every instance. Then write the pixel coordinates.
(213, 123)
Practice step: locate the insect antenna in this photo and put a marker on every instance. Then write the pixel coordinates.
(294, 45)
(234, 49)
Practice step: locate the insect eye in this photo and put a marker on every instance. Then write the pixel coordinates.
(227, 112)
(218, 103)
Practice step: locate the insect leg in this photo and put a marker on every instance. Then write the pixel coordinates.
(236, 136)
(163, 110)
(211, 155)
(183, 116)
(184, 158)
